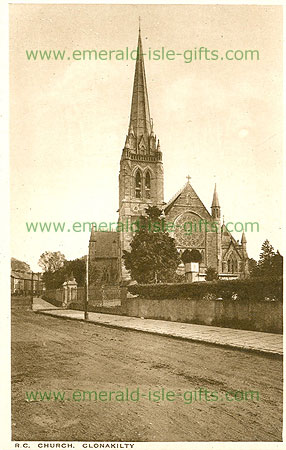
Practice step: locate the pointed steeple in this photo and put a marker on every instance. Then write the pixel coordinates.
(243, 238)
(215, 205)
(243, 248)
(140, 114)
(215, 202)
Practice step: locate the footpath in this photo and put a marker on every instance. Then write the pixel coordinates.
(267, 343)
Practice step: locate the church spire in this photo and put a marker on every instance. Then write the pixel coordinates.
(215, 205)
(140, 120)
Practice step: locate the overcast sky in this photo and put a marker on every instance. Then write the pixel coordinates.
(218, 121)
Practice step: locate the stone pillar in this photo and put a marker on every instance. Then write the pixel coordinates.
(192, 272)
(70, 292)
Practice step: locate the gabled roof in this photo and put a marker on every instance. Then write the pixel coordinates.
(227, 234)
(22, 275)
(232, 245)
(189, 189)
(106, 243)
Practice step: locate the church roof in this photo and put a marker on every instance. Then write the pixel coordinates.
(140, 122)
(232, 247)
(106, 243)
(174, 198)
(188, 189)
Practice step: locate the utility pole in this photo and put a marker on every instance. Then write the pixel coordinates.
(32, 286)
(86, 291)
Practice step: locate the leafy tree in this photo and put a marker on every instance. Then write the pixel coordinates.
(270, 263)
(51, 261)
(55, 279)
(277, 264)
(267, 252)
(186, 257)
(211, 274)
(77, 267)
(153, 257)
(252, 265)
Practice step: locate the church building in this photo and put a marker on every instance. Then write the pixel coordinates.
(141, 184)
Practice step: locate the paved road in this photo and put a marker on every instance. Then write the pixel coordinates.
(72, 356)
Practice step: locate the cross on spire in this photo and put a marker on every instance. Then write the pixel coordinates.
(188, 178)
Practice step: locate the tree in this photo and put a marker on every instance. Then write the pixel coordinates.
(77, 267)
(51, 261)
(153, 257)
(277, 264)
(270, 263)
(252, 265)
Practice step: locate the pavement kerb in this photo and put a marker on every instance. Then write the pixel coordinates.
(158, 333)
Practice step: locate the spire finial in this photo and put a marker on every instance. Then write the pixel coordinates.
(139, 19)
(188, 178)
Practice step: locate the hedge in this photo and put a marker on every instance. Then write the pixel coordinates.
(270, 289)
(53, 301)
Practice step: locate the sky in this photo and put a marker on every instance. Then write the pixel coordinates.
(217, 121)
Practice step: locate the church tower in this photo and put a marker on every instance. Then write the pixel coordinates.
(141, 167)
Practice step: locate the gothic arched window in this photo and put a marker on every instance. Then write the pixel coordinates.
(148, 185)
(232, 265)
(235, 266)
(138, 184)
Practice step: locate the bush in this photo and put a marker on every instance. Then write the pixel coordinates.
(53, 301)
(236, 290)
(211, 274)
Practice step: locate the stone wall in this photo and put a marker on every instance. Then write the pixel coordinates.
(100, 296)
(259, 316)
(21, 302)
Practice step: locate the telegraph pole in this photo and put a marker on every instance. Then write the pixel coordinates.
(32, 286)
(86, 292)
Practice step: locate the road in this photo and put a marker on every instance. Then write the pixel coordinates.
(50, 354)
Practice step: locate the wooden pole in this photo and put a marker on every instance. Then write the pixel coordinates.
(32, 283)
(86, 291)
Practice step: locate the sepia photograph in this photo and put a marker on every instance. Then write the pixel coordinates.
(146, 225)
